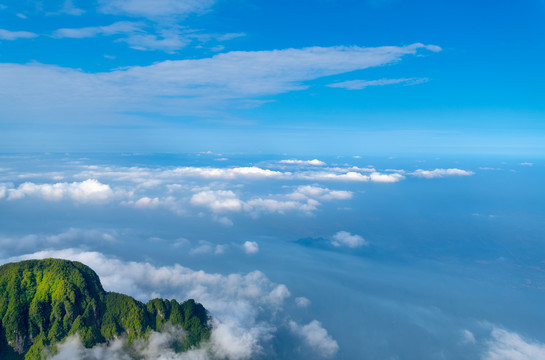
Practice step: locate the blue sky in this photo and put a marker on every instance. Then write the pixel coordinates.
(350, 179)
(374, 76)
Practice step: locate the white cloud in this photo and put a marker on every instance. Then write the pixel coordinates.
(362, 84)
(352, 176)
(316, 337)
(439, 173)
(69, 8)
(258, 205)
(251, 247)
(252, 172)
(147, 202)
(217, 200)
(86, 191)
(201, 249)
(506, 345)
(167, 40)
(4, 189)
(72, 236)
(527, 164)
(180, 87)
(314, 162)
(155, 10)
(386, 178)
(302, 302)
(344, 238)
(468, 337)
(306, 191)
(14, 35)
(120, 27)
(157, 346)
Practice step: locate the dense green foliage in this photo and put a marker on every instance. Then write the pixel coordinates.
(44, 301)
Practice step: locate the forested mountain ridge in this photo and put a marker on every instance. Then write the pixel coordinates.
(42, 302)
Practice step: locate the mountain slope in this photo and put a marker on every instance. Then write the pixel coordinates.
(44, 301)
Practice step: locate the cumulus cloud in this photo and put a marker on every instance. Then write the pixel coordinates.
(250, 247)
(259, 205)
(242, 305)
(352, 176)
(87, 191)
(506, 345)
(527, 164)
(252, 172)
(306, 191)
(14, 35)
(439, 173)
(146, 202)
(344, 238)
(180, 87)
(316, 337)
(314, 162)
(206, 247)
(217, 200)
(362, 84)
(302, 301)
(4, 189)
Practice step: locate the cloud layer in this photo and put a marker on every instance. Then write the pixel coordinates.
(247, 308)
(180, 87)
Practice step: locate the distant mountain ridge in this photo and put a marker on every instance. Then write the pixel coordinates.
(42, 302)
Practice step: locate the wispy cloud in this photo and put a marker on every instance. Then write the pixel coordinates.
(120, 27)
(506, 345)
(184, 87)
(14, 35)
(155, 10)
(362, 84)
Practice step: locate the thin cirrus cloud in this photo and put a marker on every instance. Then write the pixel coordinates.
(120, 27)
(183, 87)
(14, 35)
(140, 36)
(155, 10)
(362, 84)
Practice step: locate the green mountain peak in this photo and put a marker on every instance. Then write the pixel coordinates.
(42, 302)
